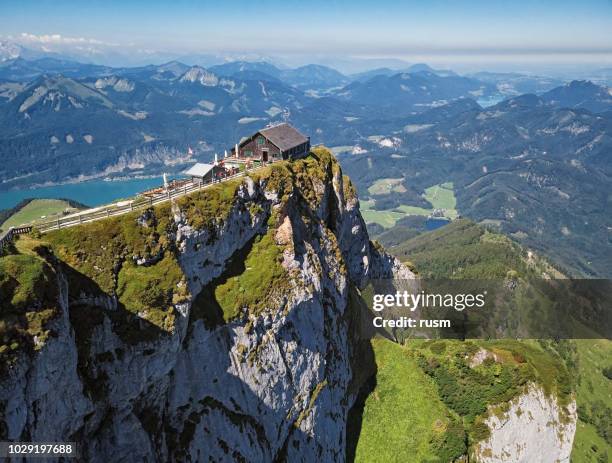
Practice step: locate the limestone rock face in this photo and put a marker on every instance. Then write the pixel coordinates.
(47, 390)
(535, 428)
(271, 384)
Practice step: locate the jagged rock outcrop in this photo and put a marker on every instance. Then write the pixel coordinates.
(271, 381)
(533, 413)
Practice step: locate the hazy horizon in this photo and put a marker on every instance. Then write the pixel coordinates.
(465, 36)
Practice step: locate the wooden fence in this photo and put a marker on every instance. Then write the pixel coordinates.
(124, 207)
(7, 237)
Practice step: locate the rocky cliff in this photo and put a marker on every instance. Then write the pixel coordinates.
(533, 413)
(216, 327)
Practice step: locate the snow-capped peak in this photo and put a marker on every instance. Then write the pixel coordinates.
(9, 50)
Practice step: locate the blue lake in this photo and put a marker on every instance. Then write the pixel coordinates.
(90, 193)
(434, 223)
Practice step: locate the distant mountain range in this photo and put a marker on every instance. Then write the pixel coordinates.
(580, 95)
(411, 91)
(129, 121)
(531, 164)
(512, 84)
(367, 75)
(312, 76)
(11, 50)
(536, 167)
(113, 121)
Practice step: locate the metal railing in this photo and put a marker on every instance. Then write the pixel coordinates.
(125, 207)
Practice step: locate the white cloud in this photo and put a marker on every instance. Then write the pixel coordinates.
(58, 39)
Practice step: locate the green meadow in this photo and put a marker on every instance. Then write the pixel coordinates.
(593, 440)
(385, 218)
(384, 186)
(440, 196)
(443, 197)
(35, 210)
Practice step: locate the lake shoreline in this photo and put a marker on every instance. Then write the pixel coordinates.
(95, 192)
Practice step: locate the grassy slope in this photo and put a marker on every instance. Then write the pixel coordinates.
(594, 393)
(427, 403)
(462, 249)
(101, 257)
(28, 299)
(403, 414)
(470, 391)
(465, 250)
(34, 210)
(262, 270)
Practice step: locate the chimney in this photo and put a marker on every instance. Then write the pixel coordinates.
(236, 149)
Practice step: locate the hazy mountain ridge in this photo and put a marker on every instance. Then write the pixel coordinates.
(537, 171)
(123, 113)
(142, 120)
(514, 83)
(413, 91)
(581, 95)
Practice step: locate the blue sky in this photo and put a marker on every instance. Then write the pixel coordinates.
(477, 30)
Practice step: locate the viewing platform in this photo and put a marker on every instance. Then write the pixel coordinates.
(266, 146)
(149, 198)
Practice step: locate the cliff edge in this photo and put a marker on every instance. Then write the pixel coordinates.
(219, 325)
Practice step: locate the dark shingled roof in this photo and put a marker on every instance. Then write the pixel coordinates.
(284, 136)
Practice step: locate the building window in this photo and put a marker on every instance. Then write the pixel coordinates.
(260, 141)
(248, 153)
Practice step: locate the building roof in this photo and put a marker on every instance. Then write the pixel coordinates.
(284, 136)
(199, 169)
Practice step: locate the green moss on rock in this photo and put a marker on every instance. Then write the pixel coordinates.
(348, 189)
(260, 286)
(311, 403)
(28, 301)
(132, 258)
(209, 207)
(98, 249)
(153, 290)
